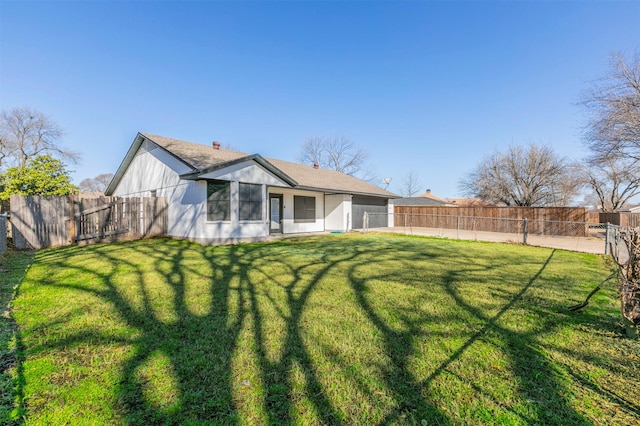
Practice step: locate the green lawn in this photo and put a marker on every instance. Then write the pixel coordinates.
(337, 329)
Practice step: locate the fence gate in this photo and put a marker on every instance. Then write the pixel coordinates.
(121, 217)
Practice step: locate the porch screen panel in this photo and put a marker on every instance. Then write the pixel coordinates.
(376, 207)
(250, 201)
(304, 209)
(218, 200)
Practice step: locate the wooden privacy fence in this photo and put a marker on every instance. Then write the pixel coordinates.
(3, 233)
(45, 221)
(561, 221)
(625, 219)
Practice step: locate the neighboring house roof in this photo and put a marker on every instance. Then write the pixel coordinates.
(418, 201)
(202, 159)
(429, 195)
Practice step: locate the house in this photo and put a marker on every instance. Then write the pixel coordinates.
(418, 201)
(426, 199)
(430, 196)
(216, 195)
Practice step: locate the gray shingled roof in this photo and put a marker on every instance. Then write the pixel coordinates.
(197, 155)
(202, 157)
(417, 201)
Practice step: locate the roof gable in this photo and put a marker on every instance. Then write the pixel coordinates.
(255, 158)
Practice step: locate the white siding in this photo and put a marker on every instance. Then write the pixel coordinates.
(247, 173)
(187, 200)
(234, 229)
(289, 226)
(390, 218)
(337, 210)
(148, 171)
(158, 171)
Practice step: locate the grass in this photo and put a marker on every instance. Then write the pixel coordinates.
(13, 266)
(338, 329)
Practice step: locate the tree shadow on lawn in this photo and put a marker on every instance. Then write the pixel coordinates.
(538, 378)
(197, 346)
(539, 385)
(13, 267)
(200, 346)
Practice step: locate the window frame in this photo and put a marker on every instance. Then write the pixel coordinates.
(255, 201)
(302, 205)
(226, 212)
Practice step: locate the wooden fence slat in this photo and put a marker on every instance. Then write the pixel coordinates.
(542, 220)
(3, 234)
(101, 234)
(39, 222)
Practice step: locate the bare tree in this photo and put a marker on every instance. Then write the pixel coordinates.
(26, 133)
(569, 187)
(629, 278)
(7, 148)
(613, 104)
(410, 185)
(614, 181)
(531, 176)
(334, 153)
(96, 184)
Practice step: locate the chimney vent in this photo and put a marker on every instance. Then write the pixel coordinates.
(216, 145)
(428, 191)
(315, 165)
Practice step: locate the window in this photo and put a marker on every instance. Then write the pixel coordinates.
(304, 209)
(250, 198)
(218, 200)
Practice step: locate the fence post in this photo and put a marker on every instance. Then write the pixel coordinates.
(3, 233)
(606, 239)
(525, 231)
(72, 220)
(458, 227)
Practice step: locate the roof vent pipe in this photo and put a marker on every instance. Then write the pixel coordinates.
(216, 145)
(315, 165)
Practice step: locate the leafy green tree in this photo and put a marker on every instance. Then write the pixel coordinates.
(42, 175)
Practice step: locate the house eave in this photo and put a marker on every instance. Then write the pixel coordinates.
(122, 168)
(345, 192)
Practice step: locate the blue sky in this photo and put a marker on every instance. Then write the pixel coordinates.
(426, 87)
